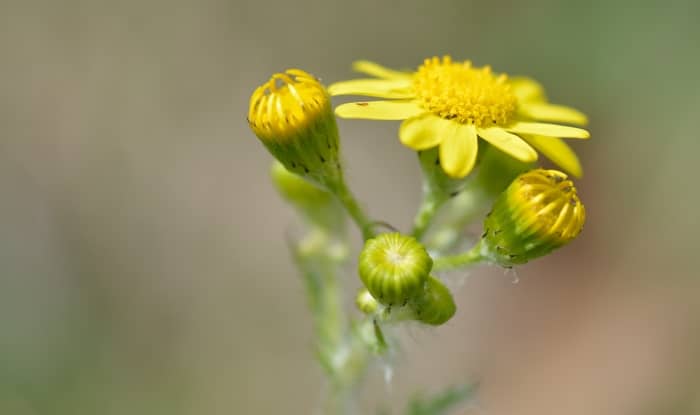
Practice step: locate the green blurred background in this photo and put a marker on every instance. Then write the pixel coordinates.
(143, 268)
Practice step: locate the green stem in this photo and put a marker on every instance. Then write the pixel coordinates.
(469, 205)
(314, 257)
(340, 189)
(432, 201)
(470, 257)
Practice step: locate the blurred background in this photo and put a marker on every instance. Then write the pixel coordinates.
(143, 268)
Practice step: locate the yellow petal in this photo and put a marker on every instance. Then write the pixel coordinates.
(508, 143)
(550, 112)
(379, 110)
(382, 88)
(526, 89)
(424, 131)
(558, 151)
(375, 69)
(458, 149)
(549, 130)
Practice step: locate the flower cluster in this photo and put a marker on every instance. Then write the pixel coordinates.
(447, 108)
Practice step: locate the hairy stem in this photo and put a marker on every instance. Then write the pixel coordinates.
(471, 257)
(431, 203)
(343, 347)
(340, 189)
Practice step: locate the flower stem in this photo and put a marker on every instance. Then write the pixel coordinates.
(317, 258)
(340, 189)
(470, 257)
(432, 201)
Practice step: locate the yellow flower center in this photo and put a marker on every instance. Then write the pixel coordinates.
(456, 90)
(285, 104)
(548, 203)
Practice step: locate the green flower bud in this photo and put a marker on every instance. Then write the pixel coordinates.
(365, 302)
(316, 205)
(394, 267)
(539, 212)
(435, 304)
(296, 190)
(497, 170)
(291, 115)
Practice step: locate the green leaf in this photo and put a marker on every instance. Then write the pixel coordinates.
(442, 402)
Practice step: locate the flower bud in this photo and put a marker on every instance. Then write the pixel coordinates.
(291, 115)
(296, 190)
(435, 304)
(539, 212)
(394, 268)
(365, 302)
(316, 205)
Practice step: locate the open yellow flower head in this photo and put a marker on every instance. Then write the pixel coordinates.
(450, 104)
(539, 212)
(291, 115)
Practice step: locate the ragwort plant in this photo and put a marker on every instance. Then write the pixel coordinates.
(447, 108)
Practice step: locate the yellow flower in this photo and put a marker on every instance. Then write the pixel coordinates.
(450, 104)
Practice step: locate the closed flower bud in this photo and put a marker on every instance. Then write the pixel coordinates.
(394, 268)
(365, 302)
(291, 115)
(539, 212)
(296, 190)
(315, 204)
(434, 305)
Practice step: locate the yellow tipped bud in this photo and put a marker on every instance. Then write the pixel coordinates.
(291, 115)
(394, 268)
(365, 302)
(539, 212)
(435, 304)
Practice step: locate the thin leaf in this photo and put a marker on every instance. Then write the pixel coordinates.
(442, 402)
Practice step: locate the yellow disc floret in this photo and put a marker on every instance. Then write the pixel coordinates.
(286, 104)
(461, 92)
